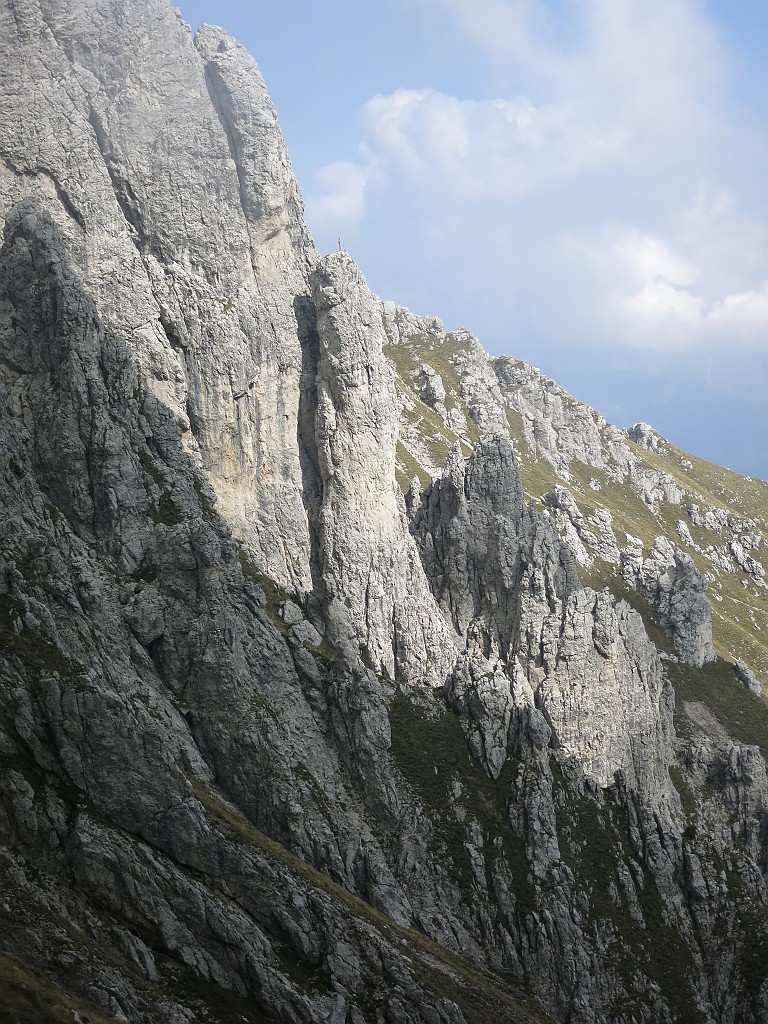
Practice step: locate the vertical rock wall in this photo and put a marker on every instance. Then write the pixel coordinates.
(182, 217)
(368, 560)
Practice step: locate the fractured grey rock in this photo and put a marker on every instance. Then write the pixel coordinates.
(747, 677)
(145, 614)
(574, 528)
(430, 386)
(510, 588)
(368, 559)
(644, 435)
(306, 634)
(746, 562)
(559, 429)
(676, 589)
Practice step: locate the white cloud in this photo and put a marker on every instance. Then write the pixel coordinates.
(634, 54)
(730, 246)
(500, 148)
(651, 259)
(501, 27)
(339, 205)
(632, 84)
(596, 191)
(652, 296)
(745, 314)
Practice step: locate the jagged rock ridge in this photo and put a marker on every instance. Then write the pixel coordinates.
(276, 742)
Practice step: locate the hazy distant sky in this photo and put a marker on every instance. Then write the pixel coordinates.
(581, 183)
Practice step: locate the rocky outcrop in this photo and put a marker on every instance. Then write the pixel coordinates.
(474, 537)
(746, 562)
(367, 559)
(557, 428)
(676, 589)
(655, 486)
(644, 435)
(510, 588)
(578, 531)
(431, 389)
(747, 677)
(117, 182)
(570, 523)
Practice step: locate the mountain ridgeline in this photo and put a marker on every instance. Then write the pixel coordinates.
(347, 673)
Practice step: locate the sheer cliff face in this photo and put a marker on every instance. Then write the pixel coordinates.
(367, 557)
(258, 721)
(153, 178)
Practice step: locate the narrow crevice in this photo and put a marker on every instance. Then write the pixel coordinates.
(122, 188)
(217, 93)
(311, 477)
(130, 207)
(170, 332)
(64, 199)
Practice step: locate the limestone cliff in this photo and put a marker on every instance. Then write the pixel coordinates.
(366, 556)
(281, 740)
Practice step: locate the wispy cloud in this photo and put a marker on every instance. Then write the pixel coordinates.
(507, 28)
(701, 285)
(496, 149)
(338, 204)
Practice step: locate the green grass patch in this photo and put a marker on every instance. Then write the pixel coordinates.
(735, 634)
(208, 506)
(430, 749)
(602, 575)
(407, 357)
(209, 1000)
(409, 467)
(538, 475)
(445, 355)
(37, 652)
(629, 512)
(437, 438)
(146, 573)
(717, 485)
(166, 512)
(753, 922)
(595, 840)
(27, 997)
(743, 714)
(438, 352)
(686, 794)
(274, 594)
(670, 963)
(326, 652)
(147, 463)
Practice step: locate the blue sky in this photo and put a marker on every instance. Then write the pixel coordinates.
(581, 183)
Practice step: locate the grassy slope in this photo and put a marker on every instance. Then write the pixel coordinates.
(26, 997)
(435, 435)
(740, 606)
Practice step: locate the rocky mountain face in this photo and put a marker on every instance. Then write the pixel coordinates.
(348, 674)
